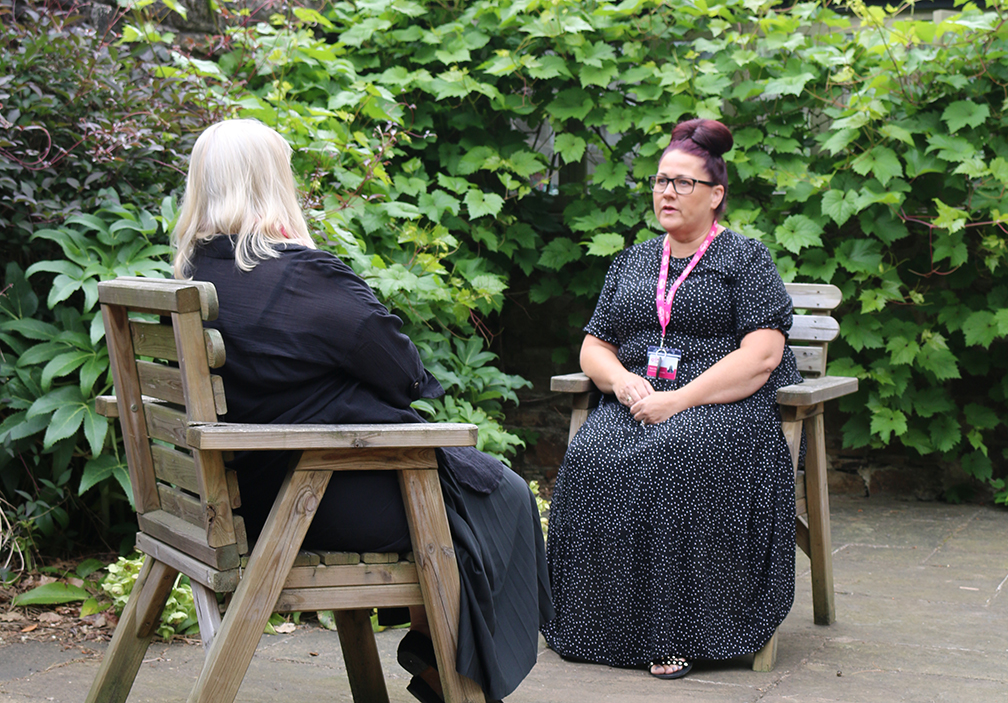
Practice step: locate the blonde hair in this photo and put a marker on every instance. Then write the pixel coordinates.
(239, 183)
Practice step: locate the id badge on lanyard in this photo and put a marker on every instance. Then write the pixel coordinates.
(661, 362)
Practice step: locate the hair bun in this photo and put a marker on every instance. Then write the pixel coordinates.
(711, 135)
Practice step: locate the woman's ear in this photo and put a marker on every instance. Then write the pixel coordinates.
(717, 195)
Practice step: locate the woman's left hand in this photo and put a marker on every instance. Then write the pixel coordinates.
(656, 407)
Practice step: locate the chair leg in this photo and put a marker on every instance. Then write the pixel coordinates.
(207, 612)
(439, 578)
(360, 653)
(232, 648)
(129, 643)
(766, 658)
(821, 541)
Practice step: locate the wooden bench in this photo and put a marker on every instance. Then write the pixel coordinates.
(185, 496)
(801, 406)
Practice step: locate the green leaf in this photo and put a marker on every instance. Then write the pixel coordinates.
(30, 328)
(559, 253)
(839, 205)
(797, 233)
(951, 148)
(945, 433)
(55, 399)
(885, 422)
(98, 469)
(931, 401)
(51, 594)
(950, 246)
(898, 133)
(787, 85)
(940, 362)
(88, 567)
(480, 204)
(573, 103)
(65, 423)
(63, 364)
(860, 255)
(433, 205)
(327, 619)
(861, 331)
(981, 417)
(609, 175)
(950, 218)
(965, 112)
(839, 140)
(919, 163)
(570, 147)
(525, 163)
(980, 329)
(91, 606)
(857, 432)
(590, 75)
(95, 429)
(606, 244)
(902, 350)
(978, 465)
(481, 157)
(880, 161)
(595, 220)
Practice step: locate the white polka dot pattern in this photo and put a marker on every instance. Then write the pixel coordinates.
(678, 538)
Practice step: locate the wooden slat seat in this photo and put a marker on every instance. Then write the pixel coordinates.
(168, 403)
(801, 407)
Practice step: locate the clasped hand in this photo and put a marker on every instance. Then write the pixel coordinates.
(647, 405)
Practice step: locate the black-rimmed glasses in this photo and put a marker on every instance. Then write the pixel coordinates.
(681, 184)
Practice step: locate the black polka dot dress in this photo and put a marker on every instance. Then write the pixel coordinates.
(678, 538)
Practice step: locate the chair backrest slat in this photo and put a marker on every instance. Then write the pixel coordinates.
(814, 297)
(811, 360)
(160, 296)
(156, 340)
(175, 467)
(189, 539)
(165, 383)
(812, 327)
(165, 422)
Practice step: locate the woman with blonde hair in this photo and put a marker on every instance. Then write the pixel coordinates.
(308, 342)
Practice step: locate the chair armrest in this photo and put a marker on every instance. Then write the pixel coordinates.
(245, 437)
(571, 383)
(107, 406)
(816, 390)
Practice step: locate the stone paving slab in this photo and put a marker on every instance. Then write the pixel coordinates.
(922, 615)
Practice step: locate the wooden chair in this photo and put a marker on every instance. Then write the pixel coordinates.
(185, 496)
(801, 406)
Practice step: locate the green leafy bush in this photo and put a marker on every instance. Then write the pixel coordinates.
(179, 614)
(869, 154)
(80, 113)
(55, 363)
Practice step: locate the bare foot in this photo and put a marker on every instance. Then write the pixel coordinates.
(670, 667)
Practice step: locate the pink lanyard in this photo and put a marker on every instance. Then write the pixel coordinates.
(664, 303)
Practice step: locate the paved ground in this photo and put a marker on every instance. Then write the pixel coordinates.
(922, 615)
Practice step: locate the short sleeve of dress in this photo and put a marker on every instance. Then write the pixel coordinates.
(761, 301)
(602, 322)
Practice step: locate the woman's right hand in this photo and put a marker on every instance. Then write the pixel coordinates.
(629, 388)
(599, 360)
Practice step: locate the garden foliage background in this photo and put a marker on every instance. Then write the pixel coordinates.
(469, 158)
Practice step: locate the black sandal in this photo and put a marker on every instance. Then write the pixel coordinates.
(684, 667)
